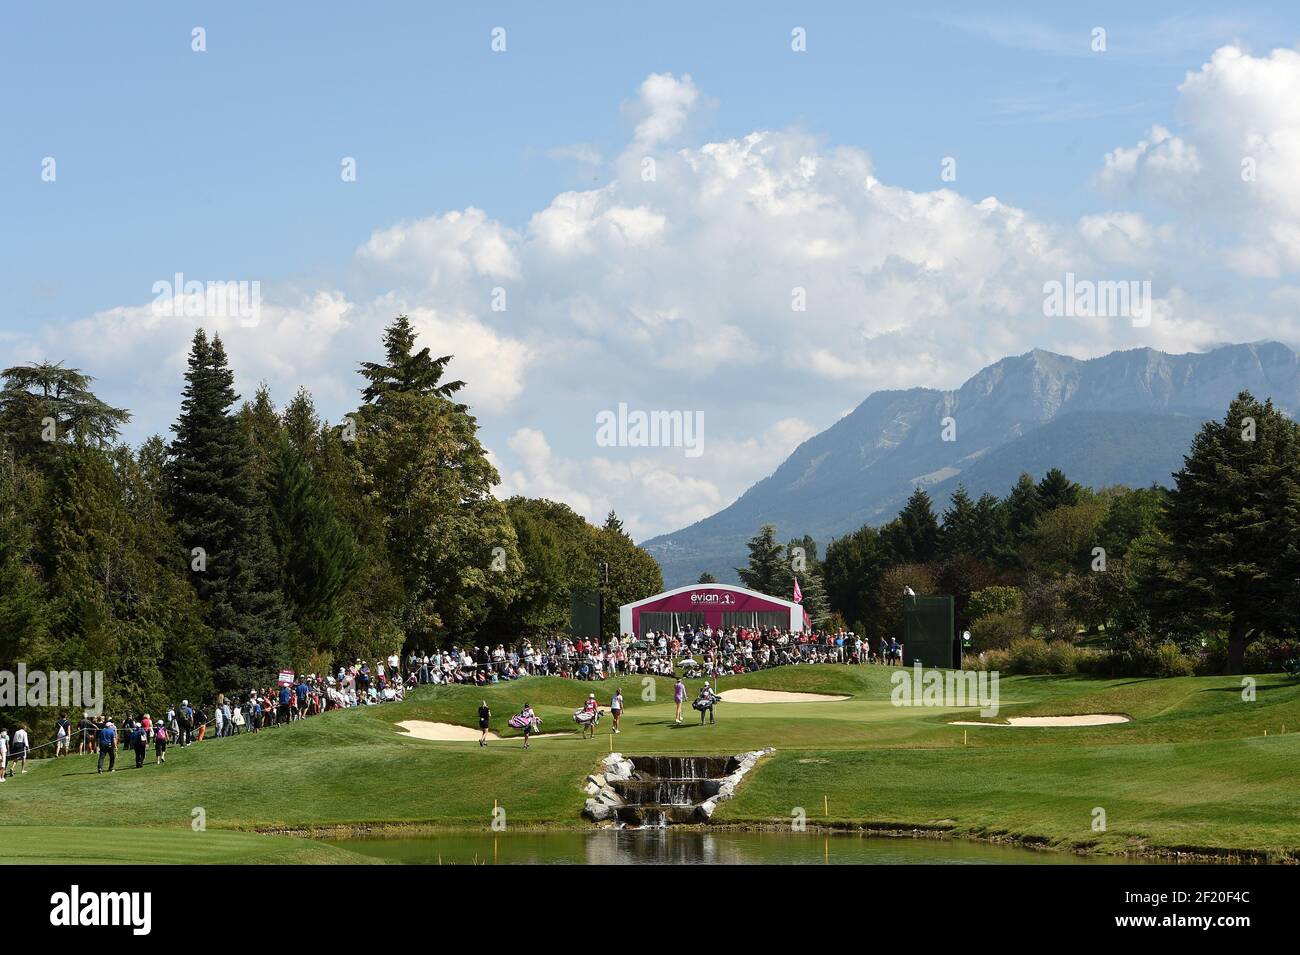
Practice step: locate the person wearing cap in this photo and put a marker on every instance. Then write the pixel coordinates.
(138, 740)
(160, 744)
(530, 722)
(616, 708)
(484, 721)
(705, 703)
(590, 708)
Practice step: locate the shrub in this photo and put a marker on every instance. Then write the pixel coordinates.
(996, 631)
(1168, 661)
(1028, 655)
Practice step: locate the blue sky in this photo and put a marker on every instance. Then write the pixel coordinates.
(225, 164)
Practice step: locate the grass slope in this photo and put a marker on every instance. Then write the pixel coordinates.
(1193, 769)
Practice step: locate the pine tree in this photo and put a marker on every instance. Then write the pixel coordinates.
(319, 558)
(1056, 490)
(706, 578)
(219, 508)
(45, 403)
(424, 468)
(1230, 524)
(962, 532)
(767, 566)
(1019, 513)
(406, 369)
(853, 569)
(914, 535)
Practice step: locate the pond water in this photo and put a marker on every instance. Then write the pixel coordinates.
(661, 846)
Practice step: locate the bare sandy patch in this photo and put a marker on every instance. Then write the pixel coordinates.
(1090, 719)
(775, 696)
(451, 733)
(443, 732)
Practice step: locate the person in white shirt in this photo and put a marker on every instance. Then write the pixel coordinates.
(19, 747)
(4, 753)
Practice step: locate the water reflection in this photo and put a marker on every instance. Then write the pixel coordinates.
(681, 847)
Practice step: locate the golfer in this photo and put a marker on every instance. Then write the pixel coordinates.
(679, 697)
(484, 721)
(616, 707)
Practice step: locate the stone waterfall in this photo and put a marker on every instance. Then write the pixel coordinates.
(639, 791)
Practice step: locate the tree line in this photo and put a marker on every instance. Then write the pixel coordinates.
(256, 538)
(1202, 576)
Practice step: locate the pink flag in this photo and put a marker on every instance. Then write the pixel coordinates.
(798, 594)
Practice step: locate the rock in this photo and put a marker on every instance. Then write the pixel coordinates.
(591, 788)
(597, 812)
(706, 808)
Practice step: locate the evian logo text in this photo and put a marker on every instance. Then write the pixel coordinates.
(74, 908)
(713, 598)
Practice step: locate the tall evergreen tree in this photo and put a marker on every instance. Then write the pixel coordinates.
(913, 536)
(962, 533)
(423, 466)
(405, 369)
(319, 558)
(767, 568)
(854, 567)
(220, 510)
(1056, 490)
(1228, 526)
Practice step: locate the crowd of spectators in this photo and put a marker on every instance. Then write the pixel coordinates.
(704, 651)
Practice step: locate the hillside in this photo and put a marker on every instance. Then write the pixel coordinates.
(1123, 418)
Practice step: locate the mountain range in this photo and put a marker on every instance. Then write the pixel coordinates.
(1123, 418)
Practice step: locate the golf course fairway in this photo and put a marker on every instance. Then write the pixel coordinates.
(1197, 769)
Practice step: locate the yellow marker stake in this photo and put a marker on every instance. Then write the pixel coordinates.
(826, 806)
(963, 737)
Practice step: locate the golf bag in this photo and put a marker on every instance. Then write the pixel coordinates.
(584, 716)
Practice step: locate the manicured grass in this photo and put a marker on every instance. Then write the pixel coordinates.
(92, 845)
(1193, 768)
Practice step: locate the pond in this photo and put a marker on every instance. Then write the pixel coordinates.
(669, 846)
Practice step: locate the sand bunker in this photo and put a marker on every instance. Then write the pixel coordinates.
(775, 696)
(1091, 719)
(451, 733)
